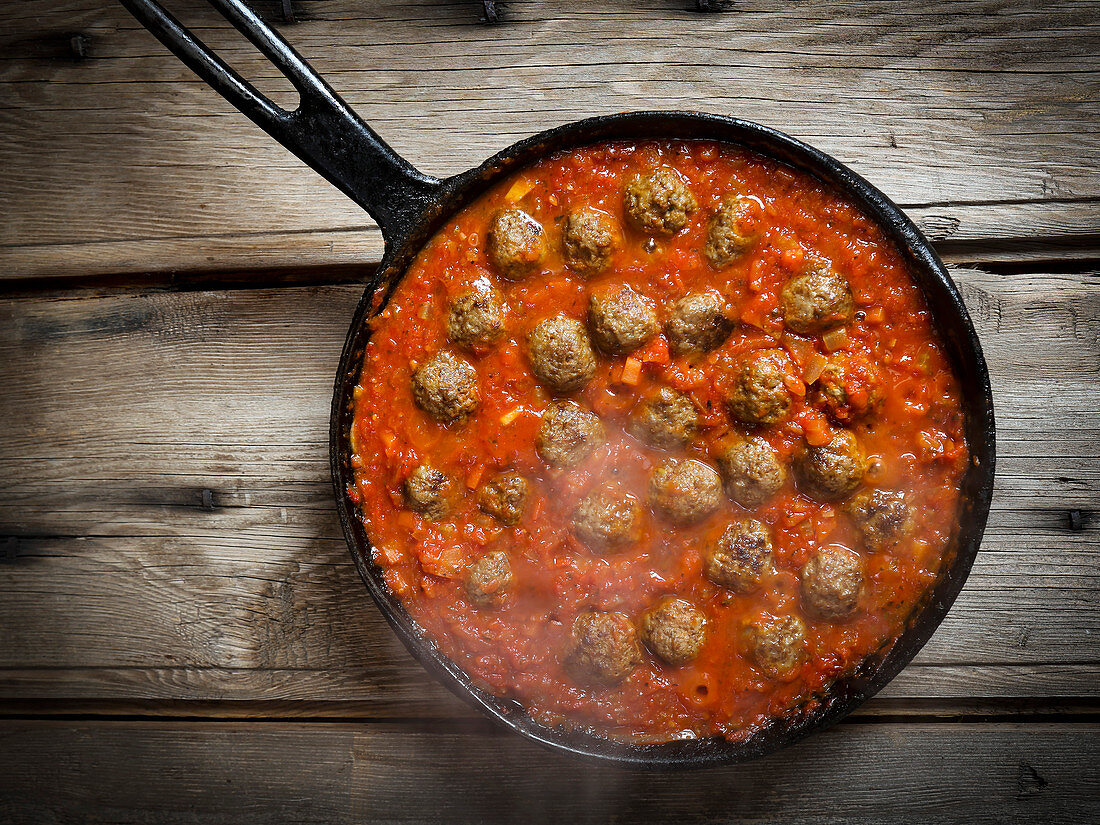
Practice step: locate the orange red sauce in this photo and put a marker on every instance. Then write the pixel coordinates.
(518, 649)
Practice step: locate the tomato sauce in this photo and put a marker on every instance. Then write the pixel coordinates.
(519, 648)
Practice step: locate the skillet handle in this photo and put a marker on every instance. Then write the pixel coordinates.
(323, 131)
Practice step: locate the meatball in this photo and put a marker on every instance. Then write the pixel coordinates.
(832, 581)
(882, 517)
(504, 497)
(849, 387)
(685, 491)
(429, 492)
(674, 630)
(568, 434)
(659, 203)
(752, 471)
(741, 556)
(561, 354)
(698, 322)
(759, 394)
(833, 471)
(605, 647)
(488, 580)
(588, 237)
(816, 301)
(776, 644)
(621, 320)
(476, 317)
(516, 243)
(605, 520)
(733, 229)
(445, 387)
(667, 419)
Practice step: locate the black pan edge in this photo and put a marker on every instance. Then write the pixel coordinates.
(953, 324)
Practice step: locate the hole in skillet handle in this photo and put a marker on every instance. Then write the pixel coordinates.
(952, 323)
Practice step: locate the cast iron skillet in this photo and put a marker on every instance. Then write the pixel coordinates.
(410, 206)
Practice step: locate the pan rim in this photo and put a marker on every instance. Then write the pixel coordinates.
(953, 324)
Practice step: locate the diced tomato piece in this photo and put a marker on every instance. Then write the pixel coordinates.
(815, 428)
(797, 388)
(793, 258)
(655, 352)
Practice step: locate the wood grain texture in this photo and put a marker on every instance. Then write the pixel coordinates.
(436, 772)
(981, 119)
(169, 551)
(170, 532)
(1036, 233)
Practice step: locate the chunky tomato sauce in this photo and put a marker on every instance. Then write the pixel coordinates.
(909, 425)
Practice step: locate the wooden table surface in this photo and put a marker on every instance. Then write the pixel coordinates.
(183, 637)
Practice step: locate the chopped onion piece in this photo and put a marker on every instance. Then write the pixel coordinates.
(800, 349)
(814, 366)
(835, 339)
(518, 189)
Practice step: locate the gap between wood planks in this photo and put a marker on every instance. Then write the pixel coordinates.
(1081, 709)
(1053, 257)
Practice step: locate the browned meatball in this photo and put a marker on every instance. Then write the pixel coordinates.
(666, 419)
(504, 497)
(816, 301)
(833, 471)
(568, 434)
(832, 581)
(752, 471)
(674, 629)
(561, 354)
(605, 647)
(659, 203)
(758, 394)
(445, 387)
(476, 317)
(621, 320)
(487, 582)
(883, 517)
(516, 243)
(430, 492)
(776, 644)
(698, 322)
(588, 237)
(849, 387)
(741, 556)
(606, 520)
(733, 229)
(685, 490)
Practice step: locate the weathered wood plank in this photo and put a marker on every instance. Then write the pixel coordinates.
(267, 623)
(125, 581)
(465, 772)
(970, 234)
(983, 121)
